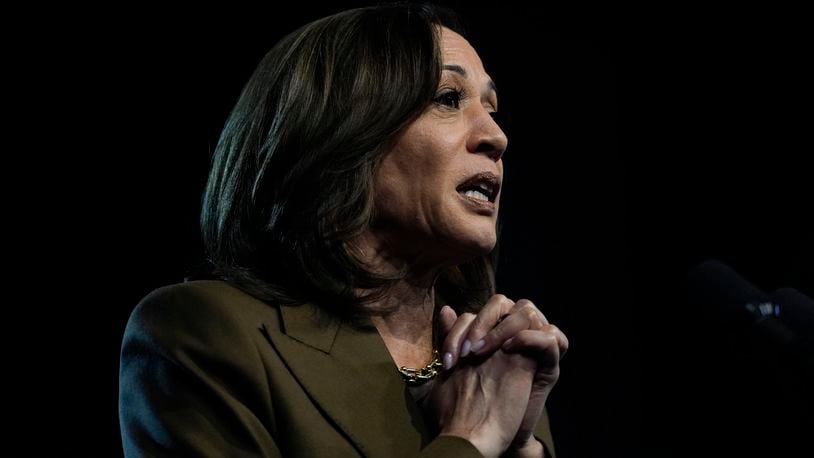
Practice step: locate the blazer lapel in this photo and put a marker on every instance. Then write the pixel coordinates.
(353, 378)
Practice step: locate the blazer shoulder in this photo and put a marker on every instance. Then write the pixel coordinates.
(214, 310)
(210, 293)
(192, 380)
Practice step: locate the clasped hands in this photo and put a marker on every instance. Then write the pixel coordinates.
(500, 365)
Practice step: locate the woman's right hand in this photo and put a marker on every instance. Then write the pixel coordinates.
(483, 401)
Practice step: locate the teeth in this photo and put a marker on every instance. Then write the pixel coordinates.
(476, 194)
(485, 188)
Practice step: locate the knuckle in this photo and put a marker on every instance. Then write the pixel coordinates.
(535, 322)
(526, 303)
(478, 320)
(553, 330)
(503, 301)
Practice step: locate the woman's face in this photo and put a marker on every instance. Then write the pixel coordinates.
(437, 190)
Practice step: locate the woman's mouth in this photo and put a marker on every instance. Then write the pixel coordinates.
(476, 194)
(480, 192)
(483, 186)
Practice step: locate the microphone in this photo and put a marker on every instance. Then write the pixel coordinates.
(715, 286)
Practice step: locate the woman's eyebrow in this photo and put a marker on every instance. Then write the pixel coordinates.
(456, 68)
(462, 71)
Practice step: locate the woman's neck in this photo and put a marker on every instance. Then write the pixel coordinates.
(407, 329)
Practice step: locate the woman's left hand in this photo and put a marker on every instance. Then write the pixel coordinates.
(516, 328)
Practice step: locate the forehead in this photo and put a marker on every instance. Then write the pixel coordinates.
(456, 50)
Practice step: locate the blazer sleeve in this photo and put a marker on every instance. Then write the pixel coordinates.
(449, 446)
(446, 446)
(543, 434)
(191, 381)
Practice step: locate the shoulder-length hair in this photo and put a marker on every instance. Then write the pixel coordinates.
(291, 182)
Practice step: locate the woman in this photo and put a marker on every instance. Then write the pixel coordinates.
(353, 192)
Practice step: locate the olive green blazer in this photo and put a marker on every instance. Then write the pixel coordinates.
(208, 370)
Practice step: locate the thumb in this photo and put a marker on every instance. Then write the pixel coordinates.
(446, 319)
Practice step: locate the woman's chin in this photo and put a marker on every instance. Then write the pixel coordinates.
(484, 245)
(474, 246)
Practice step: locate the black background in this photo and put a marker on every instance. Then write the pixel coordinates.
(641, 142)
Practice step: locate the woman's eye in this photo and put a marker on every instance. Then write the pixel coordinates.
(450, 99)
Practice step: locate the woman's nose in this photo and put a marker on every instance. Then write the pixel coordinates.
(487, 137)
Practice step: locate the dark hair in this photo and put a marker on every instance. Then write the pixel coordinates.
(291, 181)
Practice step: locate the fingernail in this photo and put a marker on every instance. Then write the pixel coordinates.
(478, 345)
(447, 360)
(467, 346)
